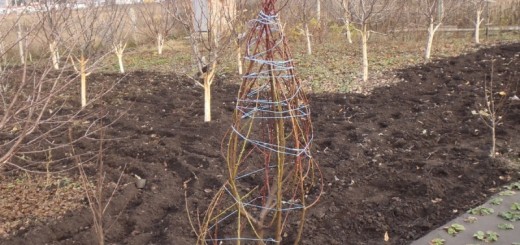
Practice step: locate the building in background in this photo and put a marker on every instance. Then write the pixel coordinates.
(213, 14)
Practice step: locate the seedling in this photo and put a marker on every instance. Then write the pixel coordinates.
(481, 211)
(489, 236)
(506, 193)
(515, 206)
(437, 241)
(506, 226)
(492, 236)
(470, 219)
(497, 201)
(494, 109)
(515, 186)
(454, 229)
(511, 216)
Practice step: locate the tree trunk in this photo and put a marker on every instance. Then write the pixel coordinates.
(318, 10)
(364, 46)
(308, 38)
(207, 101)
(492, 153)
(2, 55)
(349, 33)
(346, 17)
(478, 21)
(208, 81)
(120, 60)
(21, 44)
(83, 76)
(239, 58)
(160, 43)
(431, 32)
(55, 55)
(119, 49)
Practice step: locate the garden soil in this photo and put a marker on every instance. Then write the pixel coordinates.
(401, 160)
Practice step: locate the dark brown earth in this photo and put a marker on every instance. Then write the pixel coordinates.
(403, 160)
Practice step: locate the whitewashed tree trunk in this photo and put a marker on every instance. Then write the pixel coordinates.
(478, 21)
(55, 55)
(160, 43)
(492, 153)
(207, 102)
(346, 17)
(119, 49)
(21, 44)
(208, 81)
(83, 79)
(239, 59)
(308, 38)
(431, 33)
(349, 32)
(318, 10)
(364, 44)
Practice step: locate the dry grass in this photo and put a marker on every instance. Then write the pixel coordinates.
(27, 200)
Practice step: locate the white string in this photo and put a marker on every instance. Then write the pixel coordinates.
(275, 148)
(255, 107)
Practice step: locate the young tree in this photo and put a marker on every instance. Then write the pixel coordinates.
(89, 29)
(119, 33)
(435, 13)
(365, 13)
(303, 11)
(346, 19)
(478, 6)
(237, 20)
(208, 23)
(54, 16)
(158, 21)
(494, 108)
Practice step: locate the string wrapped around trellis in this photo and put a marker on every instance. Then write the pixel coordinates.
(273, 178)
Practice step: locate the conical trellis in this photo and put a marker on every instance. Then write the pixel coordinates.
(272, 178)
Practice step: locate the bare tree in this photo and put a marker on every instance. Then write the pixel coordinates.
(237, 20)
(303, 11)
(346, 18)
(89, 29)
(119, 32)
(158, 21)
(478, 6)
(54, 16)
(435, 13)
(495, 107)
(208, 23)
(365, 13)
